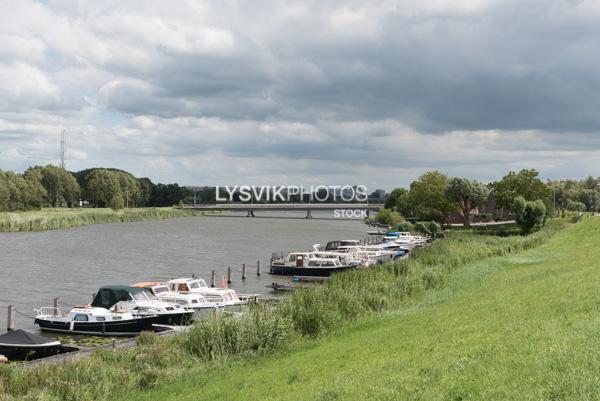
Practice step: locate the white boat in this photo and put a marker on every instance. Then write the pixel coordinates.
(193, 301)
(86, 319)
(141, 302)
(218, 296)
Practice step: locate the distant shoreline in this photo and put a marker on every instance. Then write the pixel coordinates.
(62, 218)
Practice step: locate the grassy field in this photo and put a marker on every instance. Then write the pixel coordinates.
(54, 219)
(462, 319)
(517, 327)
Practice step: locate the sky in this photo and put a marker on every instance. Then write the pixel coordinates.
(235, 92)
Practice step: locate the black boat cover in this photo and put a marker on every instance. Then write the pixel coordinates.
(109, 295)
(23, 337)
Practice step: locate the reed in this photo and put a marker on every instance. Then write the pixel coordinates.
(56, 219)
(306, 314)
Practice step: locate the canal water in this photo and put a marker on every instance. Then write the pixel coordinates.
(72, 264)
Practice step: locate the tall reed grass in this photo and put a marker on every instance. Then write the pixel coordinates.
(55, 219)
(305, 314)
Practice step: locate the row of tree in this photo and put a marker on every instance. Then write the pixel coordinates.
(435, 196)
(98, 187)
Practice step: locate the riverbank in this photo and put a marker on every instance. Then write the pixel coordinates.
(56, 219)
(224, 344)
(519, 327)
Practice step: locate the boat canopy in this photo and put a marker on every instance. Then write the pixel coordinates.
(109, 295)
(23, 338)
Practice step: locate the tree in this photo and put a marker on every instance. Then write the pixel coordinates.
(589, 197)
(392, 199)
(427, 197)
(530, 216)
(18, 192)
(525, 183)
(60, 185)
(103, 187)
(116, 202)
(466, 195)
(575, 206)
(388, 217)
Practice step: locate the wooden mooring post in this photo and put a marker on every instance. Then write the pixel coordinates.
(243, 271)
(213, 275)
(10, 321)
(228, 274)
(55, 305)
(258, 267)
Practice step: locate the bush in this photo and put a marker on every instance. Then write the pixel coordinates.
(116, 202)
(406, 226)
(388, 217)
(434, 228)
(422, 228)
(530, 216)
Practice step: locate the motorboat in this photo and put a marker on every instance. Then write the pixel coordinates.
(90, 320)
(222, 297)
(292, 259)
(192, 301)
(141, 302)
(24, 345)
(320, 267)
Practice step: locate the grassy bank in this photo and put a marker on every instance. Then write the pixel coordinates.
(55, 219)
(519, 327)
(202, 360)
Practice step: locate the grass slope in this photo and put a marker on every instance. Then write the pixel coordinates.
(55, 219)
(521, 327)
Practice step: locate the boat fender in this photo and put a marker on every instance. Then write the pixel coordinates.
(72, 325)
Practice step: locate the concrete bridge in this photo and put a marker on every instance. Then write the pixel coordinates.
(250, 208)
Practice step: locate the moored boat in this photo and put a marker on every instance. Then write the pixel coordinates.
(141, 302)
(86, 319)
(24, 345)
(221, 297)
(192, 301)
(316, 267)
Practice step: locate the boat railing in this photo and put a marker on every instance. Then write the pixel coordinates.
(50, 311)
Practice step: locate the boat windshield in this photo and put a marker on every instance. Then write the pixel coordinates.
(140, 296)
(161, 289)
(198, 284)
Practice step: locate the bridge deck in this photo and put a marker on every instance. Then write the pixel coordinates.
(242, 207)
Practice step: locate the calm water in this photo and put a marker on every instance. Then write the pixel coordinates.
(72, 264)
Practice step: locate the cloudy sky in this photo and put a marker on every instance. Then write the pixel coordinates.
(299, 93)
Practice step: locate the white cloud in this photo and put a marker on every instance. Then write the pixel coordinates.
(209, 92)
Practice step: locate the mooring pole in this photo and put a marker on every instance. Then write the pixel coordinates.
(228, 274)
(258, 267)
(10, 322)
(243, 271)
(55, 304)
(213, 274)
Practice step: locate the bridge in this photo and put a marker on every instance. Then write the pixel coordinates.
(250, 208)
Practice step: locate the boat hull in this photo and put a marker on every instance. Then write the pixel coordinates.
(175, 319)
(306, 271)
(130, 327)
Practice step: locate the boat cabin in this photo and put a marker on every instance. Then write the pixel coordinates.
(335, 245)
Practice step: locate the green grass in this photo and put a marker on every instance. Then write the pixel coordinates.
(55, 219)
(410, 330)
(516, 327)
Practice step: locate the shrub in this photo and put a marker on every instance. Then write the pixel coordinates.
(422, 228)
(406, 226)
(388, 217)
(116, 202)
(530, 216)
(434, 228)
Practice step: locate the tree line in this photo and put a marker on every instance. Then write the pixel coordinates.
(51, 186)
(434, 196)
